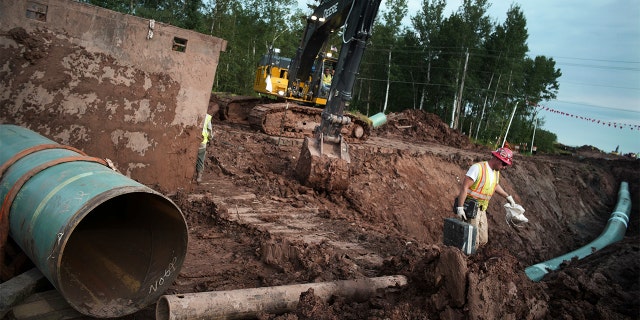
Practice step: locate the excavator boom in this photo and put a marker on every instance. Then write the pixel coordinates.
(324, 159)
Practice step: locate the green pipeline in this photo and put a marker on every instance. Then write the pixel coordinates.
(614, 231)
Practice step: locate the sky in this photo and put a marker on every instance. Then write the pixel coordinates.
(596, 45)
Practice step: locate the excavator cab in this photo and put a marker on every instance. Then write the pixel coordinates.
(272, 75)
(272, 79)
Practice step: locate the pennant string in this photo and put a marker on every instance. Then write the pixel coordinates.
(598, 121)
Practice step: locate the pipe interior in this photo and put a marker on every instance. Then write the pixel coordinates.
(162, 309)
(121, 252)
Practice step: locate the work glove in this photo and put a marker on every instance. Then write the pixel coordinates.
(511, 201)
(460, 213)
(515, 214)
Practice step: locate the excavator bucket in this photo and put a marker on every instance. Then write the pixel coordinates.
(324, 165)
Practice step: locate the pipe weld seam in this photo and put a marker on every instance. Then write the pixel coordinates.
(5, 166)
(622, 220)
(18, 184)
(540, 266)
(624, 214)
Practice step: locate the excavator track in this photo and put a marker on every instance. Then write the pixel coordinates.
(294, 121)
(233, 108)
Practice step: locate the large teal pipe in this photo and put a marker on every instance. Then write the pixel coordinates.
(614, 231)
(110, 245)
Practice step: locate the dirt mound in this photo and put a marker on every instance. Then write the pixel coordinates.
(35, 47)
(599, 286)
(419, 125)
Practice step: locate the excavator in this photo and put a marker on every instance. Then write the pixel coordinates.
(294, 106)
(324, 159)
(306, 110)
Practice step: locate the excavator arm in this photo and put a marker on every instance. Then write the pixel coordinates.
(324, 159)
(328, 17)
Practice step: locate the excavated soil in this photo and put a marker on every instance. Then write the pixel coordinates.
(390, 222)
(252, 224)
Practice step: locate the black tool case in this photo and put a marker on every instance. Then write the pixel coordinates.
(460, 234)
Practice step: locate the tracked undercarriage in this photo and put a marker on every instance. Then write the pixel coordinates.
(295, 121)
(284, 119)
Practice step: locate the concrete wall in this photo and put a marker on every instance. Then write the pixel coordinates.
(98, 80)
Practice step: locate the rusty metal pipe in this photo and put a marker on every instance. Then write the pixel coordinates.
(247, 303)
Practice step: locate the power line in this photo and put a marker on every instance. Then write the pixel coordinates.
(599, 85)
(477, 71)
(497, 54)
(598, 66)
(559, 65)
(597, 106)
(599, 60)
(499, 91)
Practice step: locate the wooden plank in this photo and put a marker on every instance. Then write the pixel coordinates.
(17, 289)
(44, 306)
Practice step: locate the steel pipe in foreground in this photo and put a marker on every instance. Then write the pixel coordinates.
(247, 303)
(614, 231)
(110, 245)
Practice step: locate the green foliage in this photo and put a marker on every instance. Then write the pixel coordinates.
(115, 5)
(545, 141)
(427, 66)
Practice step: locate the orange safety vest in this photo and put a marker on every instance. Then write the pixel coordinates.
(482, 189)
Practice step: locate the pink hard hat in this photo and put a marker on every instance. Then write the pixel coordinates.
(504, 154)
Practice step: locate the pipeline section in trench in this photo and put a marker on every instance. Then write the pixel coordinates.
(614, 231)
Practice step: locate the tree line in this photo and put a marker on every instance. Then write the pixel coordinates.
(466, 67)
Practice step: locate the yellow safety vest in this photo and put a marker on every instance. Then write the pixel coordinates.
(326, 79)
(205, 129)
(482, 189)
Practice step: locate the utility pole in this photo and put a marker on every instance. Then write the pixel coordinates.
(509, 126)
(453, 109)
(424, 89)
(459, 102)
(368, 96)
(386, 98)
(455, 99)
(484, 106)
(514, 110)
(535, 125)
(495, 92)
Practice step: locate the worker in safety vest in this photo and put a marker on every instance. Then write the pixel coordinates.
(327, 77)
(479, 184)
(207, 134)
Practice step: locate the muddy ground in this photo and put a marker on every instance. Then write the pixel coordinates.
(390, 222)
(253, 225)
